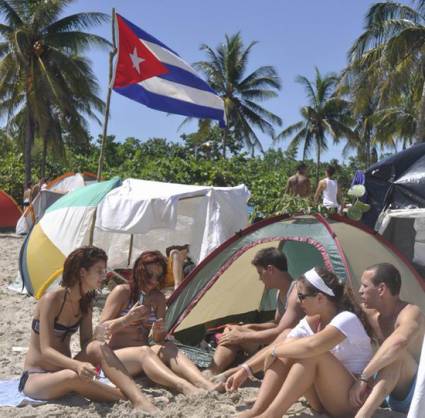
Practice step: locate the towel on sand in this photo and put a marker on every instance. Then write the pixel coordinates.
(10, 395)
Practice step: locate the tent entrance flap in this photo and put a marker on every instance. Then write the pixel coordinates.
(235, 293)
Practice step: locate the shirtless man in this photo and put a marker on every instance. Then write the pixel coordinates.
(271, 267)
(299, 184)
(400, 328)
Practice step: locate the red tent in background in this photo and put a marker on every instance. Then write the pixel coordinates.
(10, 212)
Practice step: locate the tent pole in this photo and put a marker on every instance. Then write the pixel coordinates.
(91, 236)
(130, 251)
(108, 101)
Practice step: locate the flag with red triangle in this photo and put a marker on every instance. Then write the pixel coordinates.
(149, 72)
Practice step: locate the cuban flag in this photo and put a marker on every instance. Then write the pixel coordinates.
(149, 72)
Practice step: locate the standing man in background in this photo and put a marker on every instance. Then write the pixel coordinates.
(299, 183)
(331, 192)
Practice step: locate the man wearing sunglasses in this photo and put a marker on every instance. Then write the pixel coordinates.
(400, 328)
(272, 269)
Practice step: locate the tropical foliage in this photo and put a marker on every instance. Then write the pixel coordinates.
(326, 114)
(158, 159)
(225, 69)
(47, 88)
(386, 75)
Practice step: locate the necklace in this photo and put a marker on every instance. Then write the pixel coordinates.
(72, 305)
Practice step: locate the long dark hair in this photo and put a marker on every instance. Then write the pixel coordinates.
(140, 272)
(83, 257)
(344, 298)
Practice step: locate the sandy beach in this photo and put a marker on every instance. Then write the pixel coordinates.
(14, 336)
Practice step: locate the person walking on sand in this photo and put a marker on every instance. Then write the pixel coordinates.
(49, 370)
(27, 194)
(328, 187)
(299, 183)
(400, 328)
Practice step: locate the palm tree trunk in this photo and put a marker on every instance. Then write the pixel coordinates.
(43, 158)
(318, 163)
(29, 138)
(224, 142)
(108, 101)
(368, 150)
(420, 127)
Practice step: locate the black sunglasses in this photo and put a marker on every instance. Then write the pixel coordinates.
(302, 296)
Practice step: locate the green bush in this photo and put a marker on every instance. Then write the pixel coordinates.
(156, 159)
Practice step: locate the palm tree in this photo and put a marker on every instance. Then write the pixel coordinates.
(225, 69)
(392, 50)
(325, 114)
(397, 121)
(47, 88)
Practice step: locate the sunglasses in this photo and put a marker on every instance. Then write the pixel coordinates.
(302, 296)
(156, 276)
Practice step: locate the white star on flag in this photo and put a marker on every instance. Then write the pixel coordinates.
(136, 60)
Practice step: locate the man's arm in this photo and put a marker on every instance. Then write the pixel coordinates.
(288, 189)
(290, 318)
(319, 191)
(408, 324)
(339, 197)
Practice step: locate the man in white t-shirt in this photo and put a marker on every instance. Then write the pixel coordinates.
(400, 329)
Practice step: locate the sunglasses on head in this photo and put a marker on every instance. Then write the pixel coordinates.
(302, 296)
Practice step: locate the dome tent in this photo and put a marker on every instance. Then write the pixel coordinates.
(9, 211)
(397, 182)
(127, 217)
(55, 190)
(224, 287)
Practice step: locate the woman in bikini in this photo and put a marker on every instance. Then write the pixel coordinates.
(322, 356)
(50, 370)
(128, 333)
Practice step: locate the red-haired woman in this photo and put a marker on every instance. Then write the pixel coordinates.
(50, 370)
(131, 311)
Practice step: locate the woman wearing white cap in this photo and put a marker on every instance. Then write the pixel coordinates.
(322, 356)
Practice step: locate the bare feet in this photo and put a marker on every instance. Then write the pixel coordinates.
(219, 378)
(245, 414)
(208, 373)
(144, 405)
(188, 389)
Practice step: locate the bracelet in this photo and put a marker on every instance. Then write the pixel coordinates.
(363, 378)
(273, 353)
(248, 371)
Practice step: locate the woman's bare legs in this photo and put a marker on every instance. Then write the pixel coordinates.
(272, 382)
(143, 359)
(99, 353)
(330, 378)
(182, 366)
(47, 386)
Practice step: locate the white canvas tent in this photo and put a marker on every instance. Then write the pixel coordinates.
(405, 228)
(46, 197)
(155, 215)
(417, 406)
(128, 217)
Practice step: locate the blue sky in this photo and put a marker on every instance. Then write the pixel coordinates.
(293, 36)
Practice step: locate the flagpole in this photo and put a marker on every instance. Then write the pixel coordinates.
(108, 101)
